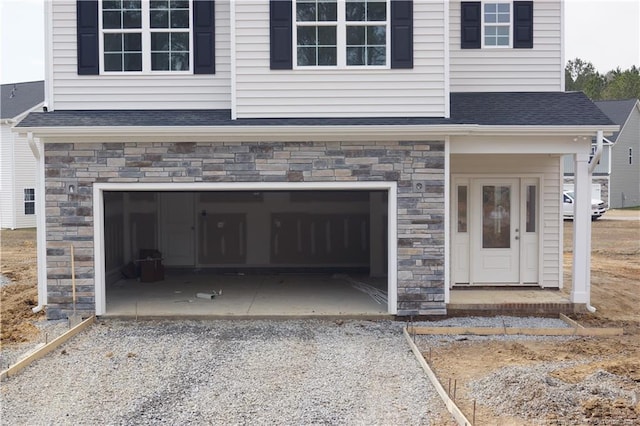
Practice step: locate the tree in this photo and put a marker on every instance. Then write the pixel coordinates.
(622, 84)
(616, 84)
(582, 76)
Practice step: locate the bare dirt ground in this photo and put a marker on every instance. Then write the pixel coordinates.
(615, 294)
(18, 263)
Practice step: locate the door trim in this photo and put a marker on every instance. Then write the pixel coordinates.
(467, 179)
(98, 225)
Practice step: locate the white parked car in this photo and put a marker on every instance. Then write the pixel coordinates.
(598, 207)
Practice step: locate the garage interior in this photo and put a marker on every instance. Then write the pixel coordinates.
(246, 253)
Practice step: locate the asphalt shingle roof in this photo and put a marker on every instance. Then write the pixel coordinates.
(508, 109)
(16, 98)
(212, 117)
(527, 108)
(617, 111)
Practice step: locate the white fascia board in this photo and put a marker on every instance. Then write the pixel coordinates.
(545, 130)
(92, 134)
(242, 133)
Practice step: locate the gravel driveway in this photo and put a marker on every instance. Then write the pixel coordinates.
(226, 372)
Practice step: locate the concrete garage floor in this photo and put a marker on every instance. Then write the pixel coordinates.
(278, 295)
(301, 295)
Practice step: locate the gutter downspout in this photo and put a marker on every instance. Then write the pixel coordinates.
(41, 242)
(598, 154)
(592, 165)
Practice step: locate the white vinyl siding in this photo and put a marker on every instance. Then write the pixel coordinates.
(18, 171)
(509, 69)
(551, 189)
(261, 92)
(7, 210)
(122, 91)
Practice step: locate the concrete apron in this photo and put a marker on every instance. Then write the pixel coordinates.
(183, 294)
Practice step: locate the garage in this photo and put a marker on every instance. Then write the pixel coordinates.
(236, 249)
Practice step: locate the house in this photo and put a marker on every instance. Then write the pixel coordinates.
(616, 177)
(17, 166)
(418, 141)
(601, 175)
(624, 186)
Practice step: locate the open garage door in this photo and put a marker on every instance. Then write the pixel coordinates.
(268, 252)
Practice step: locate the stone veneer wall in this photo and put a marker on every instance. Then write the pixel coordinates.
(417, 167)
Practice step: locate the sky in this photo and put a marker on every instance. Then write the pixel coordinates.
(603, 32)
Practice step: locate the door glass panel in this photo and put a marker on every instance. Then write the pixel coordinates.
(496, 213)
(531, 208)
(462, 208)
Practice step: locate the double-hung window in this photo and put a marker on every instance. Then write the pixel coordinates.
(317, 28)
(146, 35)
(497, 24)
(29, 201)
(342, 33)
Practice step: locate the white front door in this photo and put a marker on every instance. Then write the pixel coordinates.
(177, 228)
(495, 238)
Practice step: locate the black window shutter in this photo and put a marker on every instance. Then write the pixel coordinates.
(204, 37)
(87, 37)
(401, 34)
(280, 33)
(471, 21)
(523, 24)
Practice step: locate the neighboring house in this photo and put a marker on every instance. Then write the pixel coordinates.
(421, 141)
(17, 164)
(624, 187)
(601, 174)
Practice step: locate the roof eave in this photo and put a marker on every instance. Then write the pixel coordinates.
(91, 134)
(569, 130)
(243, 133)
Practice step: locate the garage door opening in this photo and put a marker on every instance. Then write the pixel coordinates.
(245, 252)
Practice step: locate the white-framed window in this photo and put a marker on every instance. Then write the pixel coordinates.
(496, 24)
(29, 201)
(146, 36)
(341, 33)
(630, 156)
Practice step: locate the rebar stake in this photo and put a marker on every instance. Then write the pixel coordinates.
(474, 412)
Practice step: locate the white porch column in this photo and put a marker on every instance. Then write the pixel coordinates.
(581, 231)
